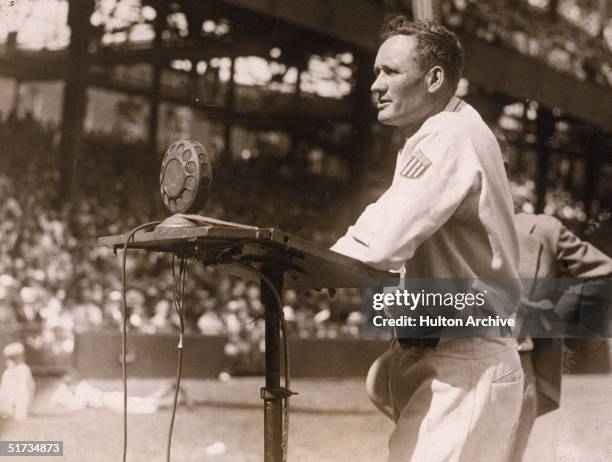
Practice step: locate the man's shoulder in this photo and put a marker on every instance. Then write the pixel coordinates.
(465, 123)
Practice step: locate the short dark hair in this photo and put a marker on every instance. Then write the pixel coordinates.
(435, 44)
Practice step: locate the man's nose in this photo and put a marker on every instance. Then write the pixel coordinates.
(378, 85)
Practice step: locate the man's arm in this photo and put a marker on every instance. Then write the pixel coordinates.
(580, 259)
(389, 231)
(584, 302)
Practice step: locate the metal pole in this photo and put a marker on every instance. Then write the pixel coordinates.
(273, 401)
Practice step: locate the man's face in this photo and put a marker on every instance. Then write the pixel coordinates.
(400, 87)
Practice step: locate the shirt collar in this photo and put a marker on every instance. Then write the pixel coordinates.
(454, 105)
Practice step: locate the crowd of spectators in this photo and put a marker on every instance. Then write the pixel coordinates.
(53, 275)
(534, 32)
(55, 281)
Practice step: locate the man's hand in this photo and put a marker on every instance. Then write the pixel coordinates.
(529, 306)
(542, 310)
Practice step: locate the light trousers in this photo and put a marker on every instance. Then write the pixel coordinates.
(457, 402)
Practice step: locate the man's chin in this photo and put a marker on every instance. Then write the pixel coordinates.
(385, 119)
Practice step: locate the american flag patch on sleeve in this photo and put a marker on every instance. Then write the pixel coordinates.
(416, 165)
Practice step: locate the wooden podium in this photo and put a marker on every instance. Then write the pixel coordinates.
(286, 260)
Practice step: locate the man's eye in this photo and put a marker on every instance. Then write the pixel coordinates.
(386, 72)
(389, 71)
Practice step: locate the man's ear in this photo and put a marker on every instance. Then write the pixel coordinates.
(435, 79)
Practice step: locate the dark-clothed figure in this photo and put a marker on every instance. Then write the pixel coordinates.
(548, 250)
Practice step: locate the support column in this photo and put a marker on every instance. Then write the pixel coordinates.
(297, 104)
(301, 67)
(75, 99)
(545, 129)
(229, 111)
(423, 9)
(160, 23)
(16, 96)
(603, 17)
(553, 10)
(154, 110)
(593, 147)
(362, 125)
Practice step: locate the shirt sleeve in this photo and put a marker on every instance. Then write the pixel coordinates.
(580, 259)
(390, 230)
(585, 302)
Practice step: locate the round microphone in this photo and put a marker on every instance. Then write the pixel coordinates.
(185, 177)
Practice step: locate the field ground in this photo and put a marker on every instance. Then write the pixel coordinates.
(331, 420)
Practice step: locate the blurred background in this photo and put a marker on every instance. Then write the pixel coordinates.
(93, 91)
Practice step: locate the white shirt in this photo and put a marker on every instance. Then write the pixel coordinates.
(448, 212)
(17, 390)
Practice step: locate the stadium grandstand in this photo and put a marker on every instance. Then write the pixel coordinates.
(94, 91)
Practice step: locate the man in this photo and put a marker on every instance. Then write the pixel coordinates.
(447, 214)
(17, 385)
(549, 250)
(73, 396)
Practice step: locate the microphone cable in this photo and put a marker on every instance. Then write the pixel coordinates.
(124, 337)
(179, 297)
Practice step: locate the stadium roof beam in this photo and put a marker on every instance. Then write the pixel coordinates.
(356, 23)
(35, 66)
(268, 118)
(352, 22)
(501, 70)
(296, 24)
(162, 55)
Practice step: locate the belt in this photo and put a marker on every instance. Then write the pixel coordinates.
(418, 342)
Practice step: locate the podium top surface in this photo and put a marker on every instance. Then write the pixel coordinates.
(305, 265)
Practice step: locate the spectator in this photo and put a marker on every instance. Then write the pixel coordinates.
(17, 386)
